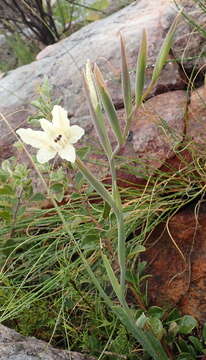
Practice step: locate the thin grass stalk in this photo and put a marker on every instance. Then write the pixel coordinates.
(189, 19)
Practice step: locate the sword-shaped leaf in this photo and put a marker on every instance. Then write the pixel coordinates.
(97, 185)
(114, 281)
(126, 84)
(140, 69)
(95, 109)
(162, 56)
(108, 104)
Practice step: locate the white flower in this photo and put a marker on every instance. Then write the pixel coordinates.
(57, 137)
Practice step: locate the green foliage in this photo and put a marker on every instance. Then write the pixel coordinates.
(15, 188)
(20, 49)
(187, 324)
(43, 103)
(62, 11)
(24, 52)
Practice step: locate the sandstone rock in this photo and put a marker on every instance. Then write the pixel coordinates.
(177, 262)
(14, 346)
(99, 42)
(190, 45)
(156, 130)
(196, 120)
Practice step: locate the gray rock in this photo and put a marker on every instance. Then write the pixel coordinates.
(14, 346)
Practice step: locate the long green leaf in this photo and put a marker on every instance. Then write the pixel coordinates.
(162, 56)
(95, 110)
(140, 69)
(98, 186)
(108, 104)
(164, 51)
(114, 281)
(126, 84)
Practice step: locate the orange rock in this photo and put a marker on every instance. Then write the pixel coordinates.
(176, 259)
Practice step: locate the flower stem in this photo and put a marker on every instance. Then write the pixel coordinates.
(114, 201)
(121, 250)
(120, 225)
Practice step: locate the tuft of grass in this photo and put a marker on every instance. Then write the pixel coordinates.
(42, 274)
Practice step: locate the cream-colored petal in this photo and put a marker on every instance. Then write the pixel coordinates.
(59, 118)
(48, 128)
(37, 139)
(44, 155)
(76, 132)
(68, 153)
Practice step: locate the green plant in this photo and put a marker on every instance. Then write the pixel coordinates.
(24, 52)
(21, 51)
(98, 96)
(57, 243)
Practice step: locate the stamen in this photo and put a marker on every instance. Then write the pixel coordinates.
(58, 138)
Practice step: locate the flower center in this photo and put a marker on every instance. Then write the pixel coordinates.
(60, 142)
(58, 138)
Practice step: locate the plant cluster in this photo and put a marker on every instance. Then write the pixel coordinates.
(76, 260)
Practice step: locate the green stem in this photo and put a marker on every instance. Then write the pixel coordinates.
(121, 250)
(120, 226)
(115, 190)
(129, 121)
(115, 202)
